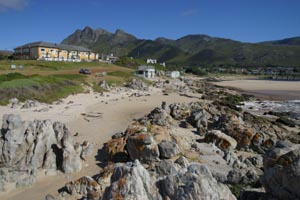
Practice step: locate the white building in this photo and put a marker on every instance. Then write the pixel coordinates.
(145, 71)
(173, 74)
(151, 61)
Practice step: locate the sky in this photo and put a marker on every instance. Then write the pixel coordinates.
(24, 21)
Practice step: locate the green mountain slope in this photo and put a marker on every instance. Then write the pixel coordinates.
(194, 50)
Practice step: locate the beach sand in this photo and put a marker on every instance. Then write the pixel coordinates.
(113, 114)
(265, 89)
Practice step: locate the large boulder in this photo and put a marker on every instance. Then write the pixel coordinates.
(85, 186)
(103, 84)
(26, 147)
(281, 176)
(142, 146)
(130, 181)
(194, 183)
(168, 149)
(137, 84)
(221, 140)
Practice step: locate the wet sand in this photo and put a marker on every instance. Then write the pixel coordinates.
(265, 89)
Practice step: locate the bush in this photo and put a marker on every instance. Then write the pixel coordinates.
(197, 71)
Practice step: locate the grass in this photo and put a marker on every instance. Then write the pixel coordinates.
(42, 88)
(46, 65)
(49, 81)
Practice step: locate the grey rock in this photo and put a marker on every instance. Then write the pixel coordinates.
(30, 104)
(104, 85)
(26, 147)
(182, 161)
(142, 146)
(282, 171)
(131, 181)
(137, 84)
(166, 167)
(168, 149)
(242, 176)
(196, 183)
(179, 111)
(199, 119)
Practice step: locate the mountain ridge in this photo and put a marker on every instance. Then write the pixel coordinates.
(192, 49)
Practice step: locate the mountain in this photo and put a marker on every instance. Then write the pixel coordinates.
(100, 40)
(294, 41)
(194, 50)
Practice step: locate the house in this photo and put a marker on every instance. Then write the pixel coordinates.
(145, 71)
(173, 74)
(151, 61)
(111, 58)
(55, 52)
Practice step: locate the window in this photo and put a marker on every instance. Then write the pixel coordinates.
(42, 50)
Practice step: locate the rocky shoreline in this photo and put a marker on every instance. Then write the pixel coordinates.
(209, 149)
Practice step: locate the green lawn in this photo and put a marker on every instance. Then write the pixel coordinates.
(42, 88)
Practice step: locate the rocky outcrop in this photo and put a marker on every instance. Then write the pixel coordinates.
(30, 104)
(39, 145)
(281, 171)
(104, 85)
(137, 84)
(196, 182)
(221, 140)
(131, 181)
(142, 146)
(84, 186)
(168, 149)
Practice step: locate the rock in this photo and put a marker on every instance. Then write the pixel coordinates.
(114, 150)
(212, 156)
(26, 147)
(182, 161)
(130, 181)
(221, 140)
(281, 171)
(142, 146)
(118, 135)
(165, 168)
(254, 194)
(196, 182)
(242, 176)
(179, 111)
(87, 150)
(137, 84)
(14, 102)
(199, 119)
(104, 85)
(30, 104)
(168, 149)
(85, 186)
(159, 117)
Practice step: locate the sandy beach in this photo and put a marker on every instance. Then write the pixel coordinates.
(96, 118)
(265, 89)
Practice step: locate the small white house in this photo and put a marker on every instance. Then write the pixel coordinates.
(173, 74)
(145, 71)
(151, 61)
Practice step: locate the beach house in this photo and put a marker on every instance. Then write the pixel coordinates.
(145, 71)
(55, 52)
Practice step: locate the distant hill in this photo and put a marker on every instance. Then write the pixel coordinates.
(194, 50)
(294, 41)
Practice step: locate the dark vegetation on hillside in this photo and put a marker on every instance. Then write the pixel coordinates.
(191, 50)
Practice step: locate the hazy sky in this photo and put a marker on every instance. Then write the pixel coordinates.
(24, 21)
